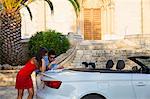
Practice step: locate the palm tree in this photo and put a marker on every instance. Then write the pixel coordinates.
(10, 28)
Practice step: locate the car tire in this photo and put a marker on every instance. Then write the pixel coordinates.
(93, 96)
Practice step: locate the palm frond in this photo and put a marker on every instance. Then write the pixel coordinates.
(28, 10)
(75, 5)
(13, 4)
(50, 5)
(1, 6)
(18, 4)
(8, 3)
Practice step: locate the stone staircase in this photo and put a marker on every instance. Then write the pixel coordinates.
(101, 51)
(65, 59)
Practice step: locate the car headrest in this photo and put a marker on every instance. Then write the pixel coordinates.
(85, 63)
(93, 65)
(109, 64)
(120, 65)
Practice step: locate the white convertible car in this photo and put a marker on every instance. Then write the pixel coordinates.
(121, 82)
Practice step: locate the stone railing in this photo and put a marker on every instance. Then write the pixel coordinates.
(8, 77)
(8, 74)
(141, 39)
(65, 59)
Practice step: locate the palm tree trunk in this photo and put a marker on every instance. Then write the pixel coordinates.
(10, 35)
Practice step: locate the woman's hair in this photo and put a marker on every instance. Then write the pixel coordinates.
(42, 52)
(51, 52)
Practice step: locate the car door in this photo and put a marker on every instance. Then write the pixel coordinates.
(119, 85)
(141, 85)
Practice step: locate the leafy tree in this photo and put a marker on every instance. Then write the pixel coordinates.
(49, 39)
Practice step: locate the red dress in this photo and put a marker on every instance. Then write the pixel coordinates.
(23, 79)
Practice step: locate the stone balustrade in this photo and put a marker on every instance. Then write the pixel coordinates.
(8, 77)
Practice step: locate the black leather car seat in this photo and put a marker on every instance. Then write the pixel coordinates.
(85, 64)
(109, 64)
(120, 65)
(92, 65)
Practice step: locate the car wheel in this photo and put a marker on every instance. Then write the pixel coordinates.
(93, 96)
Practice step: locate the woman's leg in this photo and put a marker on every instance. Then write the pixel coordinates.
(20, 93)
(31, 93)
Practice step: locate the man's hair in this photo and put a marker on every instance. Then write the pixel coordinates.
(51, 52)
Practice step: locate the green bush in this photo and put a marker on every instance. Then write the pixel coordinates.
(49, 39)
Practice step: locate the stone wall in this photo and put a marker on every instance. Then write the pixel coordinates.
(100, 57)
(140, 39)
(8, 77)
(101, 51)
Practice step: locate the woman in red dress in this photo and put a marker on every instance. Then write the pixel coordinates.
(23, 79)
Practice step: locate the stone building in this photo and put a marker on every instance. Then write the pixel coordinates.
(98, 19)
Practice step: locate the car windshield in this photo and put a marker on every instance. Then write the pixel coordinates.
(145, 61)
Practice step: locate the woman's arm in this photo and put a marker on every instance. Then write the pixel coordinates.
(33, 61)
(43, 67)
(53, 65)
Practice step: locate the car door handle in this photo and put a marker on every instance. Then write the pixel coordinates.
(140, 84)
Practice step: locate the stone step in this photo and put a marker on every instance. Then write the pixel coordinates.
(111, 44)
(8, 77)
(100, 51)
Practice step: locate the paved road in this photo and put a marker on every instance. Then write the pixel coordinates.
(10, 92)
